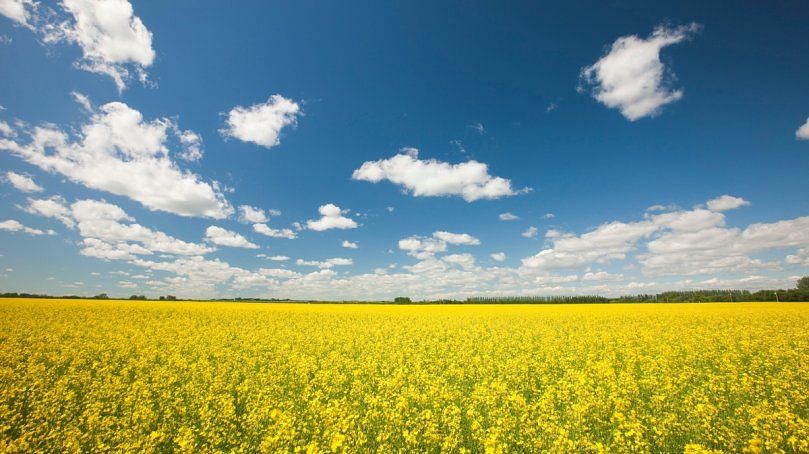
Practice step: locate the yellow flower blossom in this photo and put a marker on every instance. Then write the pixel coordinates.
(122, 376)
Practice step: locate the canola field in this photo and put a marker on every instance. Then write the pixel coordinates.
(201, 377)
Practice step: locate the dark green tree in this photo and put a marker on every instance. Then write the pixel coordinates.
(803, 283)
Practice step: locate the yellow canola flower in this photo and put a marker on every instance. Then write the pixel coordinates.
(79, 376)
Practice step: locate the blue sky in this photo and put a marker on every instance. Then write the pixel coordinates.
(134, 134)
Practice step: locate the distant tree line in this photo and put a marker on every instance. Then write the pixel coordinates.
(585, 299)
(36, 295)
(100, 296)
(719, 296)
(257, 300)
(799, 293)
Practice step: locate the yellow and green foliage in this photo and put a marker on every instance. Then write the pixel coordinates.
(191, 377)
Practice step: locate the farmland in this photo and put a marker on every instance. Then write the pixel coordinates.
(148, 376)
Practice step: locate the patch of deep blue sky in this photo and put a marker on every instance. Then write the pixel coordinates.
(373, 77)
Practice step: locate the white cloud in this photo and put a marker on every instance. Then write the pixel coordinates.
(252, 215)
(429, 278)
(631, 76)
(264, 229)
(530, 232)
(328, 263)
(688, 221)
(456, 238)
(465, 261)
(686, 242)
(111, 37)
(660, 207)
(508, 217)
(23, 183)
(223, 237)
(53, 207)
(719, 249)
(458, 143)
(6, 129)
(278, 273)
(601, 276)
(478, 127)
(105, 235)
(350, 245)
(127, 284)
(803, 132)
(636, 286)
(726, 202)
(409, 151)
(114, 42)
(262, 123)
(548, 216)
(682, 242)
(331, 218)
(119, 152)
(614, 240)
(102, 221)
(19, 11)
(423, 248)
(83, 101)
(780, 234)
(799, 258)
(278, 258)
(548, 279)
(430, 178)
(610, 241)
(11, 225)
(93, 247)
(200, 276)
(191, 143)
